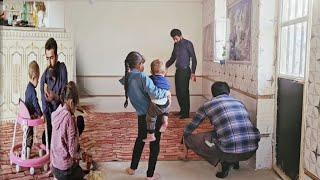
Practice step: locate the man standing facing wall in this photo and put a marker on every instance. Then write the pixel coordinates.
(182, 52)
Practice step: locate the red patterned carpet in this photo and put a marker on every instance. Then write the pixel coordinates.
(108, 136)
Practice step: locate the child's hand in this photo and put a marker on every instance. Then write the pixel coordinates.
(33, 116)
(76, 160)
(46, 89)
(51, 96)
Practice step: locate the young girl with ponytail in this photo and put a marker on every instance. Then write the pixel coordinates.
(139, 88)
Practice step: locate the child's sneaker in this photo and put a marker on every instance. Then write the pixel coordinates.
(150, 138)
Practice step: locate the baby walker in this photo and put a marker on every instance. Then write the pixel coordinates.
(24, 119)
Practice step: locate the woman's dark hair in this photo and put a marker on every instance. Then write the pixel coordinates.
(52, 44)
(133, 58)
(218, 88)
(70, 91)
(175, 32)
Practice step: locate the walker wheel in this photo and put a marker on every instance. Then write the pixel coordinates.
(17, 168)
(31, 171)
(45, 167)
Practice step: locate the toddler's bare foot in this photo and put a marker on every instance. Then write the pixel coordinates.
(163, 127)
(164, 124)
(150, 138)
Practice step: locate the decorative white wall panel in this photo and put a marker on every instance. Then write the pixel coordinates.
(19, 47)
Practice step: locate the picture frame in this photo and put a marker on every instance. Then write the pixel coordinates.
(239, 15)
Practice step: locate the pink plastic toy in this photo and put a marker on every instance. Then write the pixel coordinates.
(24, 119)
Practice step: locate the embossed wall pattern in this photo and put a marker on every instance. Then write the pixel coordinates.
(311, 131)
(18, 49)
(238, 76)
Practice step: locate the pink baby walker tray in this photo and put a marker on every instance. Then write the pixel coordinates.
(18, 152)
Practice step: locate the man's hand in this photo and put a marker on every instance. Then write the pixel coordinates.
(193, 77)
(51, 96)
(183, 155)
(166, 72)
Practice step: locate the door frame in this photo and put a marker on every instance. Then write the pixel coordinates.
(303, 81)
(305, 90)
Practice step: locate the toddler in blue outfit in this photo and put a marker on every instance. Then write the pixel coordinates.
(157, 106)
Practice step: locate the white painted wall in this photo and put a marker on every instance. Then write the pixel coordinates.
(266, 110)
(106, 31)
(55, 14)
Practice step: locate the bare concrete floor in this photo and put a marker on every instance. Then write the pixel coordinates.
(178, 170)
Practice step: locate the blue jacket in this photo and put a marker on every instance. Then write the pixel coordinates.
(140, 89)
(31, 101)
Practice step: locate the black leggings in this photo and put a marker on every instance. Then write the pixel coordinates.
(139, 144)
